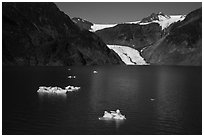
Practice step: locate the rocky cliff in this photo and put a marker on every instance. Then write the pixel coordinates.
(41, 34)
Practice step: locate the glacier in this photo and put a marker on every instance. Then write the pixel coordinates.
(128, 55)
(96, 27)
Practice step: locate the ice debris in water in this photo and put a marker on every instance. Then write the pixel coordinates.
(113, 115)
(152, 99)
(58, 90)
(95, 71)
(71, 77)
(69, 69)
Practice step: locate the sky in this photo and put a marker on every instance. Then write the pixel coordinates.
(118, 12)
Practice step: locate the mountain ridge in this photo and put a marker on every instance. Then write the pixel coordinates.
(180, 39)
(39, 34)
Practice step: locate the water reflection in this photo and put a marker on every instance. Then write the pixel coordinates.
(52, 97)
(111, 90)
(117, 123)
(169, 102)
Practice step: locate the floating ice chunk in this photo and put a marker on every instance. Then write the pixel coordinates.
(95, 71)
(152, 99)
(71, 77)
(69, 69)
(57, 90)
(72, 88)
(113, 115)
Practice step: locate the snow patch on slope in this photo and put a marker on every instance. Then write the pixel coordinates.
(128, 55)
(165, 22)
(132, 22)
(96, 27)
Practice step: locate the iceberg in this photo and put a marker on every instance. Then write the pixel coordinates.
(113, 115)
(71, 77)
(57, 90)
(95, 71)
(72, 88)
(152, 99)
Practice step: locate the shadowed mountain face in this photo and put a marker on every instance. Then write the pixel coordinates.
(182, 45)
(40, 34)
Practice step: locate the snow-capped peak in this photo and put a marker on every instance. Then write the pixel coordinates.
(163, 20)
(160, 16)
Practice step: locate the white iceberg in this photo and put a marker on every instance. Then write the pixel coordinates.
(57, 90)
(44, 89)
(95, 71)
(72, 88)
(71, 77)
(152, 99)
(113, 115)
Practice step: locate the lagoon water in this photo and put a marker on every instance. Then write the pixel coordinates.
(155, 100)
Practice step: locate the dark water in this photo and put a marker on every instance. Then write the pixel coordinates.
(177, 108)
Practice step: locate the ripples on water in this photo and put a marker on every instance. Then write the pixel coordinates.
(176, 107)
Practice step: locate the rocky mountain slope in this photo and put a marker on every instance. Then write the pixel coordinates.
(161, 39)
(182, 45)
(139, 34)
(132, 35)
(41, 34)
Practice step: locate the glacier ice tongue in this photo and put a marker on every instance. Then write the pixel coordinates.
(128, 55)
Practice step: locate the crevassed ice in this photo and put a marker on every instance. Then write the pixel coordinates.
(128, 55)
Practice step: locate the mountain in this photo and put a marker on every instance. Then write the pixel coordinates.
(87, 25)
(182, 45)
(132, 35)
(40, 34)
(82, 24)
(139, 34)
(161, 39)
(155, 17)
(163, 20)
